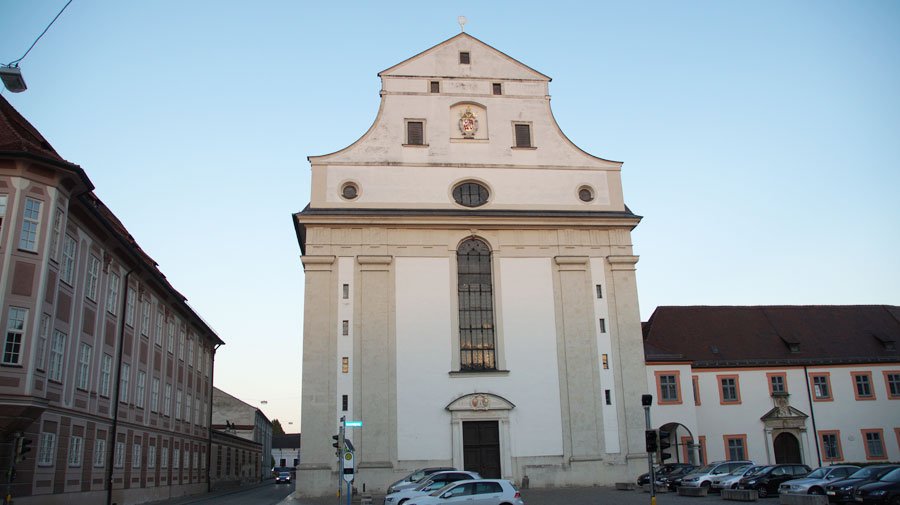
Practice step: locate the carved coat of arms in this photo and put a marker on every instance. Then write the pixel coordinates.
(480, 402)
(468, 123)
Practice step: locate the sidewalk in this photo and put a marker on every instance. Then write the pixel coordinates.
(206, 497)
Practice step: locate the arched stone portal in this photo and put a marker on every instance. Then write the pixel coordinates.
(787, 448)
(480, 434)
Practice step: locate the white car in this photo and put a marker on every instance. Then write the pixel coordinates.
(429, 484)
(730, 480)
(415, 477)
(473, 492)
(815, 482)
(703, 476)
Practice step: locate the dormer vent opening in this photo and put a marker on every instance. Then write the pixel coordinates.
(464, 58)
(886, 341)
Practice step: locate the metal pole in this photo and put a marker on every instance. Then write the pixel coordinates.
(650, 460)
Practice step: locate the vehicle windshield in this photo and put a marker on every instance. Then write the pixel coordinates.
(864, 473)
(425, 483)
(417, 476)
(892, 476)
(741, 470)
(818, 473)
(703, 469)
(438, 492)
(753, 470)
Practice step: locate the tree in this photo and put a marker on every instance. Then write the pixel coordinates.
(276, 428)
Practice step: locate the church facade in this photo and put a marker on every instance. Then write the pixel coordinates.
(470, 287)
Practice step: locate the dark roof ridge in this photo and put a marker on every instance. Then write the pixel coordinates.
(18, 135)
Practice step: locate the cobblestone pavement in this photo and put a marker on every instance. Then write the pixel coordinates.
(569, 496)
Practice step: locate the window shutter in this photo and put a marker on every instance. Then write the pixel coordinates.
(415, 133)
(523, 135)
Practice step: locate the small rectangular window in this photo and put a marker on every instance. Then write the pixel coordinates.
(523, 135)
(415, 133)
(602, 325)
(605, 359)
(599, 291)
(345, 364)
(346, 292)
(497, 88)
(464, 58)
(608, 396)
(345, 327)
(344, 403)
(435, 86)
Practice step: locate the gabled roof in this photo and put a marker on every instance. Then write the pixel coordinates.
(286, 441)
(722, 336)
(17, 135)
(405, 67)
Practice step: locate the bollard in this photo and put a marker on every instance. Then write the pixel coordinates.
(525, 481)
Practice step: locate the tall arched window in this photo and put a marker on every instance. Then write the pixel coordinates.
(476, 306)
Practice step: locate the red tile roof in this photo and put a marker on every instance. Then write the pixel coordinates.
(17, 135)
(723, 336)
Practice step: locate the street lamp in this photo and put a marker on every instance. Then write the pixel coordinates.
(646, 402)
(12, 79)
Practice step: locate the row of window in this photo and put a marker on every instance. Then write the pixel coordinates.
(415, 134)
(85, 373)
(668, 385)
(468, 194)
(435, 87)
(193, 455)
(31, 222)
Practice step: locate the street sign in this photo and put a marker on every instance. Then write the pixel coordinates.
(348, 466)
(353, 424)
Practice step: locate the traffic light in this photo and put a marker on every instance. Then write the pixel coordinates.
(337, 445)
(23, 447)
(664, 444)
(650, 438)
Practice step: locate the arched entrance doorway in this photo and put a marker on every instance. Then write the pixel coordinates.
(787, 448)
(480, 434)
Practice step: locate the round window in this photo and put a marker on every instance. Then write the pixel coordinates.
(470, 194)
(349, 191)
(585, 194)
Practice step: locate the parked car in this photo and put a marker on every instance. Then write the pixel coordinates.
(841, 491)
(429, 484)
(703, 476)
(815, 482)
(482, 492)
(660, 472)
(673, 479)
(730, 480)
(413, 478)
(283, 477)
(885, 490)
(767, 480)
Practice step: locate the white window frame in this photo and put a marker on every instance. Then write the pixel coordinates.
(167, 406)
(159, 327)
(139, 389)
(31, 224)
(180, 342)
(145, 318)
(76, 448)
(69, 256)
(83, 381)
(130, 293)
(170, 336)
(92, 278)
(179, 394)
(4, 200)
(57, 353)
(123, 384)
(151, 456)
(43, 338)
(164, 457)
(57, 232)
(190, 350)
(112, 292)
(136, 455)
(99, 452)
(105, 374)
(154, 394)
(47, 449)
(15, 335)
(188, 408)
(119, 460)
(176, 458)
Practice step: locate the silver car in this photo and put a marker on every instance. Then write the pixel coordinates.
(468, 492)
(429, 484)
(414, 477)
(703, 476)
(730, 480)
(815, 482)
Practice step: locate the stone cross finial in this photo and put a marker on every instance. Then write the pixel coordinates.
(462, 23)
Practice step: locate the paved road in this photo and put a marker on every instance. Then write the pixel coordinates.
(571, 496)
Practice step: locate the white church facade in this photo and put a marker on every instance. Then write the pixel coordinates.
(470, 287)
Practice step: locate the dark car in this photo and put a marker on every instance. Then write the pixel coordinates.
(885, 490)
(767, 480)
(283, 477)
(673, 479)
(661, 471)
(841, 491)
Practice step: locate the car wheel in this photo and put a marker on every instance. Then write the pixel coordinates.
(705, 484)
(734, 486)
(401, 502)
(816, 490)
(762, 491)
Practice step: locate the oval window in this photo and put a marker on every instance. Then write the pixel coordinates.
(470, 194)
(349, 191)
(585, 194)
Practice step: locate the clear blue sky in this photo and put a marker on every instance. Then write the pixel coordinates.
(761, 140)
